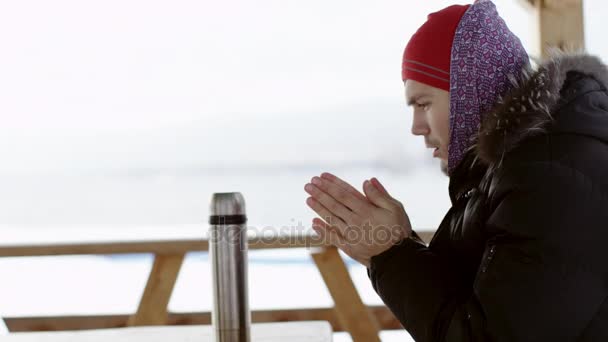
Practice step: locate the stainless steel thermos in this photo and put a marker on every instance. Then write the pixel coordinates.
(228, 245)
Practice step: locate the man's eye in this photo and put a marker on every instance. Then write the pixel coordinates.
(422, 105)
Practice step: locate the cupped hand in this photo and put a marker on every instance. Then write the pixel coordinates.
(361, 225)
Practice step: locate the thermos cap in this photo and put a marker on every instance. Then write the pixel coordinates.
(227, 204)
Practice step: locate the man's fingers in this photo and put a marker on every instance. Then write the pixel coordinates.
(344, 185)
(331, 236)
(377, 197)
(317, 222)
(379, 185)
(324, 213)
(337, 201)
(320, 227)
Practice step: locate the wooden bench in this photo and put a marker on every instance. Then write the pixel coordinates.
(349, 313)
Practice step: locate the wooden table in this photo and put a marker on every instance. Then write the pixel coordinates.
(307, 331)
(169, 247)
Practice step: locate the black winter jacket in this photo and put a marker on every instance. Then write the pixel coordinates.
(522, 255)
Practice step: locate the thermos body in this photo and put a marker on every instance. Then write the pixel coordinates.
(228, 246)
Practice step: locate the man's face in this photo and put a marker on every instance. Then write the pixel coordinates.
(431, 117)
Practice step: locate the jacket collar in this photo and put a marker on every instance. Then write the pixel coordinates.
(526, 111)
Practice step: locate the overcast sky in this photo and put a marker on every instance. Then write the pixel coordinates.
(77, 73)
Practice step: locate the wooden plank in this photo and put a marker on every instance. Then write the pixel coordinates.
(560, 25)
(351, 312)
(159, 246)
(382, 314)
(165, 247)
(152, 308)
(314, 331)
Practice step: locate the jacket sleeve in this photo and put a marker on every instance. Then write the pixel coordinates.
(418, 286)
(542, 276)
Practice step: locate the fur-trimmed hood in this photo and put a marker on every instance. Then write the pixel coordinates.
(530, 108)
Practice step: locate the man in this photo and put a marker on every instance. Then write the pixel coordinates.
(521, 255)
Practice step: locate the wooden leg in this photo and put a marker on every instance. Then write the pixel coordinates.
(152, 308)
(352, 314)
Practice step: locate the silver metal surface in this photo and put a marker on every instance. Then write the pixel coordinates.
(227, 203)
(228, 244)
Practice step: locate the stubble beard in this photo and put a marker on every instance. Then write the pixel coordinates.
(444, 167)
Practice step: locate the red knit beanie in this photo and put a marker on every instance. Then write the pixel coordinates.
(426, 58)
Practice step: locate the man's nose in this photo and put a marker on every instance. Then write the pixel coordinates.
(419, 126)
